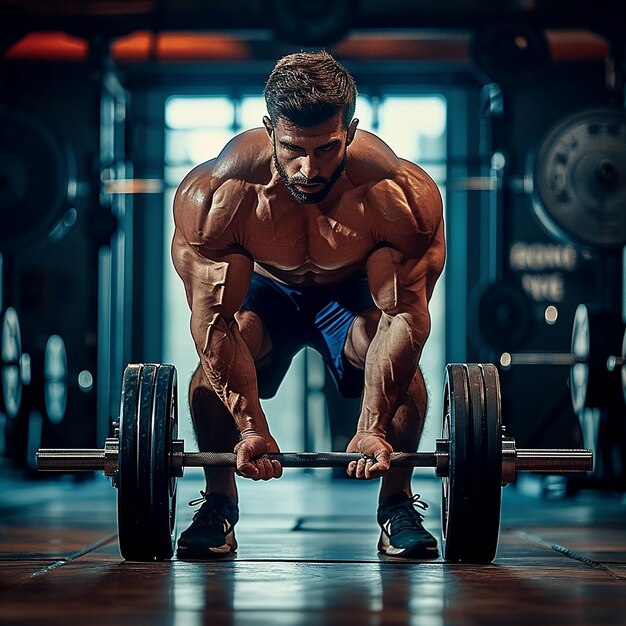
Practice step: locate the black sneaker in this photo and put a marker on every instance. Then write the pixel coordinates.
(402, 532)
(211, 534)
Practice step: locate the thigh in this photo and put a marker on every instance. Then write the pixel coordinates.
(272, 326)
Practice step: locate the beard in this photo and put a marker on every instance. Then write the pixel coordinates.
(310, 198)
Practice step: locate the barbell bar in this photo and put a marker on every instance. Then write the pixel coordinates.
(473, 458)
(593, 360)
(514, 460)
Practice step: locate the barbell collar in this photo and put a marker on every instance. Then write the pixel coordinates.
(111, 456)
(615, 362)
(177, 457)
(509, 453)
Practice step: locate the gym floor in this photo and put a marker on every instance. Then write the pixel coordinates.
(307, 555)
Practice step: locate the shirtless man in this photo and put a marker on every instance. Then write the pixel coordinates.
(307, 232)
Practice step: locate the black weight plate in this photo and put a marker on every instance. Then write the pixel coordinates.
(509, 53)
(472, 502)
(163, 484)
(579, 178)
(318, 23)
(499, 316)
(37, 181)
(131, 536)
(454, 429)
(596, 333)
(491, 488)
(144, 551)
(10, 363)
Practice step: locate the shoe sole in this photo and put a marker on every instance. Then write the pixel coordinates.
(424, 552)
(210, 552)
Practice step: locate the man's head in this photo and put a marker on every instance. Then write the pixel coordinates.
(311, 101)
(307, 88)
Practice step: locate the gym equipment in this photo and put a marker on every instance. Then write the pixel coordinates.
(619, 362)
(37, 183)
(579, 178)
(10, 363)
(596, 335)
(145, 458)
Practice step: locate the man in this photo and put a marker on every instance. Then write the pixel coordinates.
(307, 232)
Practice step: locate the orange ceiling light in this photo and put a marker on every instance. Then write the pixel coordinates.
(147, 46)
(49, 46)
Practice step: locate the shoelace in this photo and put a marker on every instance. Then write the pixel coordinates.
(202, 498)
(208, 514)
(406, 516)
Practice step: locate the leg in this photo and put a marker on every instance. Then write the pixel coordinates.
(402, 531)
(405, 428)
(213, 424)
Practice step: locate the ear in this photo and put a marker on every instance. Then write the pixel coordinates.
(267, 122)
(352, 130)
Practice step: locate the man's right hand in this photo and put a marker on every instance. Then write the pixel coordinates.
(250, 461)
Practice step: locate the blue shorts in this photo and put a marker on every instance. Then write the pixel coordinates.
(318, 316)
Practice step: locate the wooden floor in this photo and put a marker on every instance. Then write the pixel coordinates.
(308, 556)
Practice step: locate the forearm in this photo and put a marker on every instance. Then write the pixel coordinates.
(391, 362)
(230, 369)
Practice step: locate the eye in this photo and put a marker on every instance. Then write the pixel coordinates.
(329, 147)
(290, 147)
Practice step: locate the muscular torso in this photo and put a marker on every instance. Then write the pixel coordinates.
(238, 203)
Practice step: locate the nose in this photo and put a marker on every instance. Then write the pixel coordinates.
(309, 168)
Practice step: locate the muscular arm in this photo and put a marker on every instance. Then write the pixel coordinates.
(216, 274)
(401, 276)
(402, 288)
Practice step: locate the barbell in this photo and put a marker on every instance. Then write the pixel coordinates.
(145, 458)
(597, 374)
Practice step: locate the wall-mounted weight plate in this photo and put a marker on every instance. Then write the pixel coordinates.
(579, 178)
(147, 489)
(10, 363)
(37, 181)
(500, 315)
(471, 491)
(595, 335)
(55, 379)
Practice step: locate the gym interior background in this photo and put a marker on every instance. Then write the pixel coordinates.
(515, 108)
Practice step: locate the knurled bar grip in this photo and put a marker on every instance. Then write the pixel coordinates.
(70, 459)
(308, 459)
(561, 460)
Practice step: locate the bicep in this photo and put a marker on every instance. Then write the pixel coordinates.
(215, 284)
(403, 284)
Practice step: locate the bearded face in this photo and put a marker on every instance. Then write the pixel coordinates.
(309, 191)
(310, 160)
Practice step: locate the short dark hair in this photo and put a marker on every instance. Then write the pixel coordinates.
(308, 88)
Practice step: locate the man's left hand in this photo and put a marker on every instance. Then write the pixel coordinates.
(376, 452)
